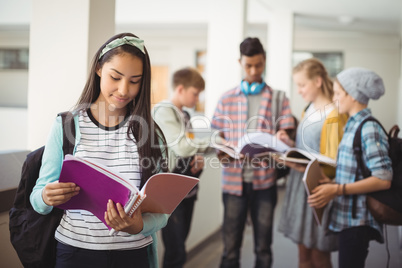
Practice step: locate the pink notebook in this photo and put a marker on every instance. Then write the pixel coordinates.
(162, 193)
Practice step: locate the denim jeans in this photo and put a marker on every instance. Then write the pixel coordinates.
(69, 256)
(175, 233)
(260, 204)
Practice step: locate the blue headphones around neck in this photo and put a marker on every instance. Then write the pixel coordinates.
(253, 89)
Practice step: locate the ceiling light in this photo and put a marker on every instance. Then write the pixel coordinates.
(346, 20)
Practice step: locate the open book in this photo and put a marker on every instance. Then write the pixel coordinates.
(253, 144)
(162, 193)
(300, 156)
(261, 143)
(311, 178)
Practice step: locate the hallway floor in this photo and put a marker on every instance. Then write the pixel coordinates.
(285, 251)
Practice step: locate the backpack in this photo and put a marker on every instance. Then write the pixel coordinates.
(386, 205)
(281, 171)
(32, 234)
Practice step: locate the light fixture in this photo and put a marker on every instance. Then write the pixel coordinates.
(346, 19)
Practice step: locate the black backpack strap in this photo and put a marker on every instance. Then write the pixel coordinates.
(186, 115)
(68, 132)
(358, 152)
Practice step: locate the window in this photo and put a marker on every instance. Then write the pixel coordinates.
(14, 58)
(333, 61)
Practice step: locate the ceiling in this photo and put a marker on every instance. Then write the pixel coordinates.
(383, 16)
(377, 10)
(365, 15)
(347, 23)
(379, 16)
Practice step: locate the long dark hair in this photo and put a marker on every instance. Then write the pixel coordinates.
(149, 138)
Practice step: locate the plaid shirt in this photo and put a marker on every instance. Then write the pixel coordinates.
(230, 118)
(375, 156)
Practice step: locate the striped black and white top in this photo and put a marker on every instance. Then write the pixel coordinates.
(109, 147)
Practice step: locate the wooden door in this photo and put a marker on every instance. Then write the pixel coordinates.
(159, 83)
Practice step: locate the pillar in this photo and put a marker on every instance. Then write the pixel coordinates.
(225, 33)
(280, 49)
(64, 36)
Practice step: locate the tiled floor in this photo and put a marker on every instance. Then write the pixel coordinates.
(285, 251)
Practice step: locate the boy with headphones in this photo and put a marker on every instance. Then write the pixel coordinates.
(249, 186)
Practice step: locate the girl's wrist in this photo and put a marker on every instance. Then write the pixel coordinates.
(134, 230)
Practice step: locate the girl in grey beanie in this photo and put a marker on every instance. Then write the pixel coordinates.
(362, 84)
(352, 90)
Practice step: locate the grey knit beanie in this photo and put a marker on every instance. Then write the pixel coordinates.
(361, 84)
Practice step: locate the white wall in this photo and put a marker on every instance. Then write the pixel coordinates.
(15, 12)
(157, 11)
(14, 36)
(14, 122)
(181, 11)
(225, 33)
(14, 83)
(380, 53)
(279, 49)
(13, 88)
